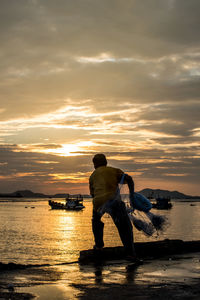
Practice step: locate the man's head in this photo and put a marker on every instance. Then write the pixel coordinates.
(99, 160)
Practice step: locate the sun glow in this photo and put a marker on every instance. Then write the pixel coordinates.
(63, 149)
(72, 177)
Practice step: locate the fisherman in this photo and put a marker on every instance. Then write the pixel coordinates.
(104, 189)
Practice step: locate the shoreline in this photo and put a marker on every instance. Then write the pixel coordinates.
(168, 277)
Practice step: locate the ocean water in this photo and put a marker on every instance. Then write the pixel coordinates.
(32, 233)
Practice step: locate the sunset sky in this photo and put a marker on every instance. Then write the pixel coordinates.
(80, 77)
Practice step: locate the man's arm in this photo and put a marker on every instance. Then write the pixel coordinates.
(128, 179)
(91, 188)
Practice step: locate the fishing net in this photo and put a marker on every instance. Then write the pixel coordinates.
(159, 222)
(138, 208)
(140, 224)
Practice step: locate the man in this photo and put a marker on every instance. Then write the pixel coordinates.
(106, 197)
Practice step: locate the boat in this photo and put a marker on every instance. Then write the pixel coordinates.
(162, 203)
(71, 203)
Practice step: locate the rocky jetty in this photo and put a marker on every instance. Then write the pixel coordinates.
(144, 250)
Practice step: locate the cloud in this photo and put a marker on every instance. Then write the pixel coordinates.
(26, 169)
(30, 169)
(120, 77)
(154, 53)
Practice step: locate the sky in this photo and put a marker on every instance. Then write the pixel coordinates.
(99, 76)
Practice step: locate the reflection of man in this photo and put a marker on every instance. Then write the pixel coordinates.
(103, 188)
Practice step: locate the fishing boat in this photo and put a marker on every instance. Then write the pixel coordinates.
(71, 203)
(162, 203)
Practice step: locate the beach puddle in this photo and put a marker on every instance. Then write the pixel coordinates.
(178, 269)
(52, 291)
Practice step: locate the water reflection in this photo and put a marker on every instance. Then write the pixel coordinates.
(115, 273)
(42, 235)
(98, 274)
(106, 281)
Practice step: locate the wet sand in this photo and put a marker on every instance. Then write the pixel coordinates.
(170, 277)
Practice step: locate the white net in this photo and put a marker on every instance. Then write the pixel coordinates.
(146, 222)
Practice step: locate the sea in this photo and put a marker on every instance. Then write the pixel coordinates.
(32, 233)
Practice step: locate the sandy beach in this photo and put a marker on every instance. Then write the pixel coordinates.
(174, 277)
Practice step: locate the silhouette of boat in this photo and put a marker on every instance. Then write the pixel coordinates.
(72, 203)
(162, 203)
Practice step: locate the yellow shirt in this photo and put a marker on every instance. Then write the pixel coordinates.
(103, 184)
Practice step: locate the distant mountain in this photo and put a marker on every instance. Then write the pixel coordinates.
(149, 193)
(60, 196)
(30, 194)
(155, 193)
(24, 194)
